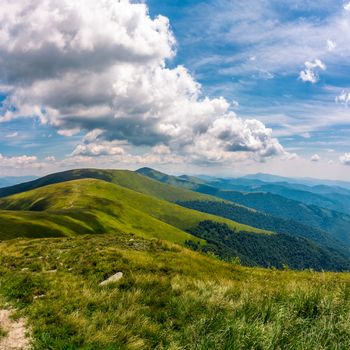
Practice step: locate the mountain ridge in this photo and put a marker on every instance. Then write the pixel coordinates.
(124, 201)
(335, 223)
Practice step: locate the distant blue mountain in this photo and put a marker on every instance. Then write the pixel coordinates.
(294, 203)
(14, 180)
(303, 181)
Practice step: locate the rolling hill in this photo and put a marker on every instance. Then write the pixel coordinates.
(265, 221)
(177, 190)
(124, 201)
(124, 178)
(319, 224)
(96, 206)
(336, 223)
(328, 197)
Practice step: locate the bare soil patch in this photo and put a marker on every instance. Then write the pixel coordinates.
(16, 332)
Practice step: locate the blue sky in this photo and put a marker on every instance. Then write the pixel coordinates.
(219, 41)
(283, 63)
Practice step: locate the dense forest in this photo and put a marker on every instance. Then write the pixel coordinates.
(263, 221)
(276, 250)
(337, 223)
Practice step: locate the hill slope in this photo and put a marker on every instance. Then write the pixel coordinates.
(99, 207)
(332, 198)
(147, 182)
(90, 206)
(336, 223)
(265, 221)
(269, 251)
(312, 222)
(124, 178)
(169, 298)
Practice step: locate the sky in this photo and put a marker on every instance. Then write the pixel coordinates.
(217, 87)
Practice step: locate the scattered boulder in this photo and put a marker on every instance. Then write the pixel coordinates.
(112, 279)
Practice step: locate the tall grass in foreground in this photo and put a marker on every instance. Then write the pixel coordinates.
(169, 298)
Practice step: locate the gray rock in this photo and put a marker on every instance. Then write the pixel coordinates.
(112, 279)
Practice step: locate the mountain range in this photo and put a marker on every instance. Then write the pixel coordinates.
(206, 215)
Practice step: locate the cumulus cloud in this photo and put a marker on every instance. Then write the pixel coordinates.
(309, 74)
(343, 98)
(100, 67)
(347, 6)
(345, 159)
(18, 162)
(102, 148)
(229, 135)
(315, 158)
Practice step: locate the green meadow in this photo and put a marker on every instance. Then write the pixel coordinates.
(96, 206)
(169, 298)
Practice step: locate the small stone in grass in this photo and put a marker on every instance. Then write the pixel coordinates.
(112, 279)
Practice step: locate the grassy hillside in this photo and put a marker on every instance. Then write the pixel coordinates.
(150, 185)
(95, 206)
(184, 181)
(169, 298)
(124, 178)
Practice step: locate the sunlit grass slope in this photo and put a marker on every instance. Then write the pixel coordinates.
(95, 206)
(124, 178)
(169, 298)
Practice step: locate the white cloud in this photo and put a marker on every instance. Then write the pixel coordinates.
(316, 64)
(347, 7)
(331, 45)
(161, 150)
(280, 45)
(18, 161)
(345, 159)
(12, 135)
(306, 135)
(309, 74)
(315, 158)
(230, 135)
(100, 148)
(343, 98)
(99, 67)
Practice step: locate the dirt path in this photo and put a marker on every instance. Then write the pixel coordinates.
(16, 337)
